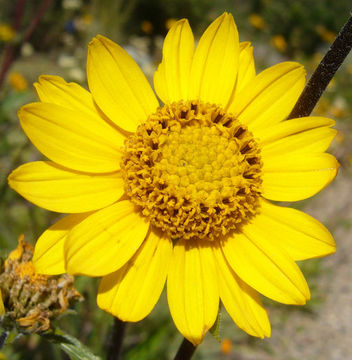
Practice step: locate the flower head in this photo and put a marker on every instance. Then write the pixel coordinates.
(28, 299)
(180, 192)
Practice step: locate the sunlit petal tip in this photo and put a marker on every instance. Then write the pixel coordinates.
(118, 85)
(58, 189)
(226, 18)
(48, 257)
(192, 289)
(245, 44)
(266, 267)
(45, 77)
(85, 143)
(242, 302)
(105, 241)
(94, 40)
(180, 22)
(215, 62)
(131, 292)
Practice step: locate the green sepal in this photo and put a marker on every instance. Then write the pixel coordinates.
(215, 329)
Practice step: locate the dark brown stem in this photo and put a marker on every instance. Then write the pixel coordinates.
(38, 16)
(18, 14)
(324, 72)
(11, 50)
(116, 340)
(185, 351)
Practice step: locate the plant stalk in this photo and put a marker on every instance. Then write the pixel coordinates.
(185, 351)
(325, 71)
(11, 51)
(115, 343)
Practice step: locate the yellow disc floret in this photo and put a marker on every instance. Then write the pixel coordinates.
(194, 170)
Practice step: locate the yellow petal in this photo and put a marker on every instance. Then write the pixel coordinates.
(297, 176)
(241, 301)
(270, 96)
(300, 235)
(311, 141)
(246, 69)
(55, 90)
(215, 62)
(286, 128)
(131, 292)
(192, 289)
(2, 307)
(246, 66)
(48, 257)
(105, 240)
(171, 80)
(57, 189)
(264, 267)
(72, 139)
(118, 85)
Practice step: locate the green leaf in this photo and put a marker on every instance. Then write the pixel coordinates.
(215, 329)
(72, 346)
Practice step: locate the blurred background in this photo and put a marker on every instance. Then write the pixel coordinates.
(51, 37)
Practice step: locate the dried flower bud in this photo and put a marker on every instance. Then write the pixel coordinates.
(32, 300)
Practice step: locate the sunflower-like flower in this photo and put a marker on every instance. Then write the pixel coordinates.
(180, 192)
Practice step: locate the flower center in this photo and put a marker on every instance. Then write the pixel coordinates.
(194, 170)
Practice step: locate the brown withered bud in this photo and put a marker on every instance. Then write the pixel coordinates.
(32, 300)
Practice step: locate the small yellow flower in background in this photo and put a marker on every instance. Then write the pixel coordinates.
(226, 346)
(325, 34)
(181, 193)
(17, 81)
(147, 27)
(279, 42)
(29, 299)
(257, 21)
(6, 33)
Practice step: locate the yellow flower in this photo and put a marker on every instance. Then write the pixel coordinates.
(17, 81)
(6, 33)
(180, 193)
(257, 21)
(279, 42)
